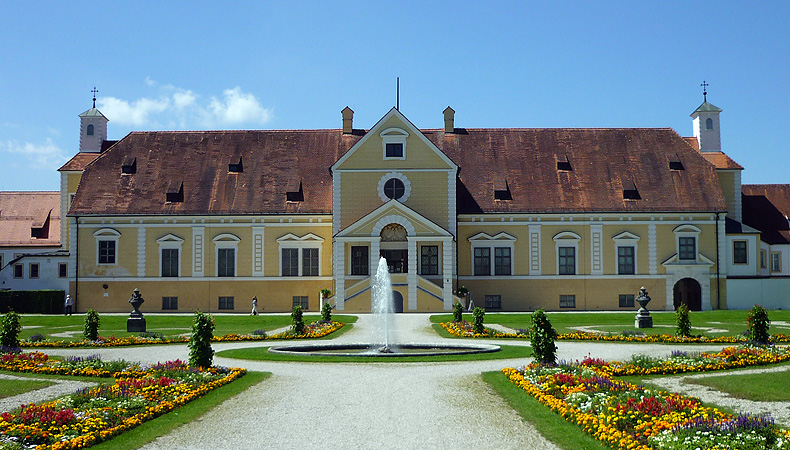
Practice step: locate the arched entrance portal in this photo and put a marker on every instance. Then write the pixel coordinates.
(397, 301)
(688, 291)
(394, 248)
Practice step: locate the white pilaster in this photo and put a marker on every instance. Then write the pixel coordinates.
(339, 270)
(141, 251)
(412, 276)
(257, 251)
(72, 251)
(534, 250)
(375, 249)
(336, 202)
(596, 250)
(723, 247)
(447, 273)
(652, 251)
(198, 251)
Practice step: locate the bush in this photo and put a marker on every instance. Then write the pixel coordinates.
(297, 321)
(91, 330)
(326, 312)
(478, 316)
(542, 335)
(683, 327)
(757, 324)
(44, 301)
(10, 327)
(261, 333)
(200, 352)
(458, 312)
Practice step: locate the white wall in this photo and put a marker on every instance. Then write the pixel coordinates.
(770, 293)
(752, 252)
(47, 277)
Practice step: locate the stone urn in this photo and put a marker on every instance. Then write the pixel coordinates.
(643, 319)
(136, 322)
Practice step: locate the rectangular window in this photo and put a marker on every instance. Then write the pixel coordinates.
(172, 302)
(493, 302)
(34, 268)
(625, 261)
(106, 252)
(482, 261)
(776, 262)
(739, 255)
(567, 263)
(309, 262)
(429, 260)
(301, 300)
(290, 262)
(567, 301)
(19, 270)
(394, 150)
(626, 300)
(169, 262)
(63, 270)
(763, 259)
(1, 260)
(226, 262)
(225, 303)
(359, 260)
(502, 261)
(687, 248)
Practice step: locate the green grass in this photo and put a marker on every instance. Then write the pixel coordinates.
(10, 388)
(733, 322)
(760, 387)
(262, 354)
(150, 430)
(550, 425)
(168, 324)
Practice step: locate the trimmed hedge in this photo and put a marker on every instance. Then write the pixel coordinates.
(32, 302)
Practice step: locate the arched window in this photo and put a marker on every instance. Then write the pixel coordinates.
(90, 130)
(708, 124)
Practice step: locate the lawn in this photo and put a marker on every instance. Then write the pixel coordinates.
(69, 328)
(709, 323)
(760, 387)
(12, 387)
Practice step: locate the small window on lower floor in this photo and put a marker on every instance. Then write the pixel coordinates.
(63, 270)
(226, 303)
(170, 302)
(626, 300)
(567, 301)
(19, 270)
(34, 270)
(301, 300)
(493, 302)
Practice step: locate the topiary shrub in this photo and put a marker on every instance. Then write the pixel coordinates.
(757, 323)
(478, 316)
(682, 316)
(91, 329)
(200, 352)
(458, 312)
(326, 312)
(542, 335)
(10, 327)
(297, 323)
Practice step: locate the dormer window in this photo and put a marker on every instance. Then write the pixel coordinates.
(294, 193)
(236, 167)
(129, 165)
(89, 131)
(502, 190)
(175, 192)
(708, 123)
(564, 165)
(394, 143)
(675, 164)
(394, 150)
(630, 192)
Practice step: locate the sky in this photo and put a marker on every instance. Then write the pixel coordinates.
(295, 65)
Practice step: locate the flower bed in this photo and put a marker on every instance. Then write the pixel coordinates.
(312, 331)
(464, 329)
(626, 416)
(138, 394)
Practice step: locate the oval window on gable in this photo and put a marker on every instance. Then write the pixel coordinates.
(90, 130)
(394, 188)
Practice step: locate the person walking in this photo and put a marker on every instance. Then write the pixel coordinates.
(254, 306)
(68, 306)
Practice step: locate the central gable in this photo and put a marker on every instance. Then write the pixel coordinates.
(394, 143)
(393, 212)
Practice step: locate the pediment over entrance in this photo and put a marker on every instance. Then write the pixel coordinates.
(393, 213)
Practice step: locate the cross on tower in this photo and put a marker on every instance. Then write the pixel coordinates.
(94, 90)
(704, 90)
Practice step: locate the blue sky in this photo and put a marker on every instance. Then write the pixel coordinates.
(295, 65)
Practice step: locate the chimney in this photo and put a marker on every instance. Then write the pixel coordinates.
(348, 120)
(449, 120)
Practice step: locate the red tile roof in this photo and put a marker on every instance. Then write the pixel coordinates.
(721, 161)
(79, 161)
(22, 211)
(766, 207)
(603, 161)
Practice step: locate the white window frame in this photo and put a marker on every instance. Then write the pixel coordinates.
(107, 234)
(776, 268)
(763, 259)
(687, 231)
(222, 241)
(745, 263)
(502, 239)
(399, 176)
(291, 241)
(30, 270)
(393, 136)
(566, 239)
(170, 241)
(626, 239)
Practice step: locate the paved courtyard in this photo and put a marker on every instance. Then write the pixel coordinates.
(376, 405)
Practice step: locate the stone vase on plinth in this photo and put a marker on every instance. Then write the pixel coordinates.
(643, 319)
(136, 322)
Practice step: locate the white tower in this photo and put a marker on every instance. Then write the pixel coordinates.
(706, 125)
(93, 128)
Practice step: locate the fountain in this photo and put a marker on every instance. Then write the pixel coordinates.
(382, 344)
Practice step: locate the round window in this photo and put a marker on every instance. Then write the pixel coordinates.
(394, 188)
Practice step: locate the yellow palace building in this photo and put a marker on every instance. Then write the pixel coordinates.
(522, 218)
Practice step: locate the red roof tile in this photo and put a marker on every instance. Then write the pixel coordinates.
(720, 160)
(79, 161)
(22, 211)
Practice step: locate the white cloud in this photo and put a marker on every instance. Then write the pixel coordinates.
(46, 155)
(183, 109)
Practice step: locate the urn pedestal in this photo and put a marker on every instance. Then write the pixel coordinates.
(136, 322)
(643, 319)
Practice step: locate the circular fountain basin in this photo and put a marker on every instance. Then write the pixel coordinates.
(375, 351)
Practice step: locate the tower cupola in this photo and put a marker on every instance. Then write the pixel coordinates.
(706, 124)
(93, 128)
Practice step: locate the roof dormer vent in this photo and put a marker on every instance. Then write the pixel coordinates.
(175, 192)
(294, 192)
(674, 163)
(630, 192)
(129, 165)
(502, 190)
(564, 164)
(236, 167)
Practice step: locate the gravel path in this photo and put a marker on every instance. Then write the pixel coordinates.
(60, 388)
